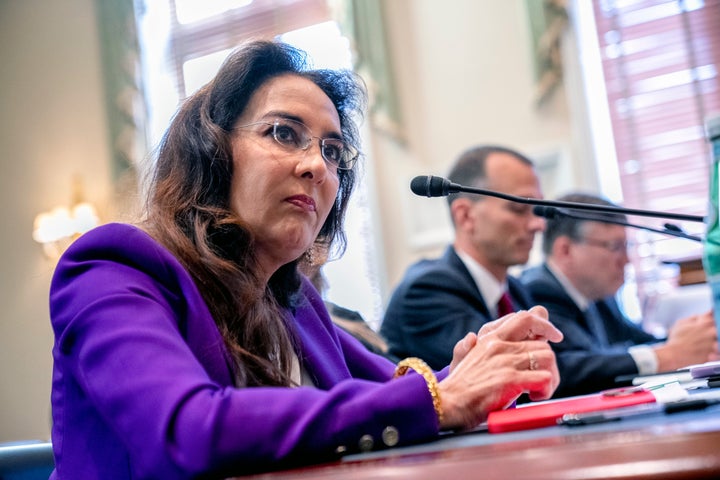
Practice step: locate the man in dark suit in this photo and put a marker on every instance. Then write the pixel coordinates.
(584, 268)
(439, 301)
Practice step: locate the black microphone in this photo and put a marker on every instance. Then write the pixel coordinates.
(553, 212)
(431, 186)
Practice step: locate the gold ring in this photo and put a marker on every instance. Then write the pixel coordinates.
(532, 362)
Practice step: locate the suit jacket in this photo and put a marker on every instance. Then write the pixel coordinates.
(586, 363)
(435, 305)
(143, 383)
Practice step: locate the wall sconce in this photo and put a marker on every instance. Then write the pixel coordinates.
(59, 227)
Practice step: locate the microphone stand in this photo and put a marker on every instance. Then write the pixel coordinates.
(432, 186)
(578, 206)
(670, 229)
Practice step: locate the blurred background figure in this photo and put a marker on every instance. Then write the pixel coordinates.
(440, 300)
(583, 270)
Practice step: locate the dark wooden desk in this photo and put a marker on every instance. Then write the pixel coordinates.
(678, 446)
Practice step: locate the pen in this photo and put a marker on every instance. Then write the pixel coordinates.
(637, 379)
(589, 418)
(713, 382)
(615, 414)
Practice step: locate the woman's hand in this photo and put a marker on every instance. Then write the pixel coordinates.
(489, 370)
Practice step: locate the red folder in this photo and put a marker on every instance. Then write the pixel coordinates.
(547, 414)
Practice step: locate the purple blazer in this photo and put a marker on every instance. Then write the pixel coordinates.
(142, 385)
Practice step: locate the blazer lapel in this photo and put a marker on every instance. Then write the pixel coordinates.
(320, 351)
(452, 259)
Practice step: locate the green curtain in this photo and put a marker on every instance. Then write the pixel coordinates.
(125, 106)
(548, 22)
(363, 22)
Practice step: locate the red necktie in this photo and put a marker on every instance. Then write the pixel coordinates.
(504, 305)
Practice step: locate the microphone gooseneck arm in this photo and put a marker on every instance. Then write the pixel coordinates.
(432, 186)
(670, 229)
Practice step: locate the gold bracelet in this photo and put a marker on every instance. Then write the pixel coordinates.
(423, 369)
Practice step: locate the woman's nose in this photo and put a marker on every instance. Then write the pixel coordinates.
(312, 164)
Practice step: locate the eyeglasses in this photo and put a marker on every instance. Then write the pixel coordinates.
(294, 136)
(614, 246)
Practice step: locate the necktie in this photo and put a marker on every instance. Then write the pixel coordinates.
(596, 324)
(504, 305)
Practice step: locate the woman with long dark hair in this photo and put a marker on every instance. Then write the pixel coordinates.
(188, 345)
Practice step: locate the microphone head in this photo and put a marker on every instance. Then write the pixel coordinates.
(430, 186)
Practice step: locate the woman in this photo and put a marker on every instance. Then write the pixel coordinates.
(190, 346)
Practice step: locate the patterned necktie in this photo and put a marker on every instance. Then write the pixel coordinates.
(504, 305)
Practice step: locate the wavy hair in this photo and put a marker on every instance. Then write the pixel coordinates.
(188, 206)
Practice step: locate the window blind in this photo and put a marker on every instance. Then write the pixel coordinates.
(659, 61)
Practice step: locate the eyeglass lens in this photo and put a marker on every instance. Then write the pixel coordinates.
(614, 246)
(297, 135)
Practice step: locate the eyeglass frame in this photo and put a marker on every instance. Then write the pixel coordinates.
(612, 246)
(346, 147)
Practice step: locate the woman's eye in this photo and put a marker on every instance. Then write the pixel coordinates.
(286, 135)
(332, 153)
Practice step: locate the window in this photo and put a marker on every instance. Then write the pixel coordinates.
(183, 42)
(659, 61)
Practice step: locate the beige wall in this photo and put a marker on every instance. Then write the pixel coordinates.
(52, 127)
(464, 76)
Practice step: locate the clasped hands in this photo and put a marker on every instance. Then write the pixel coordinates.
(489, 370)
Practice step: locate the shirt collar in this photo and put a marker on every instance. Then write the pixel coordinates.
(580, 300)
(490, 289)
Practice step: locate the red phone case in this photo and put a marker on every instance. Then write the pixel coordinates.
(546, 414)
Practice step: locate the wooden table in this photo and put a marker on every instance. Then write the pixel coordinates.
(657, 446)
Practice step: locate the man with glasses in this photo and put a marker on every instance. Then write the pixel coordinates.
(441, 300)
(583, 270)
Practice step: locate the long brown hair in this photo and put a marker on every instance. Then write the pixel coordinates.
(188, 206)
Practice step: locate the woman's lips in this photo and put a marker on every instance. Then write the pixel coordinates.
(303, 201)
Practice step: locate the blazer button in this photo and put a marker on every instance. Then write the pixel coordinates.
(390, 436)
(366, 443)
